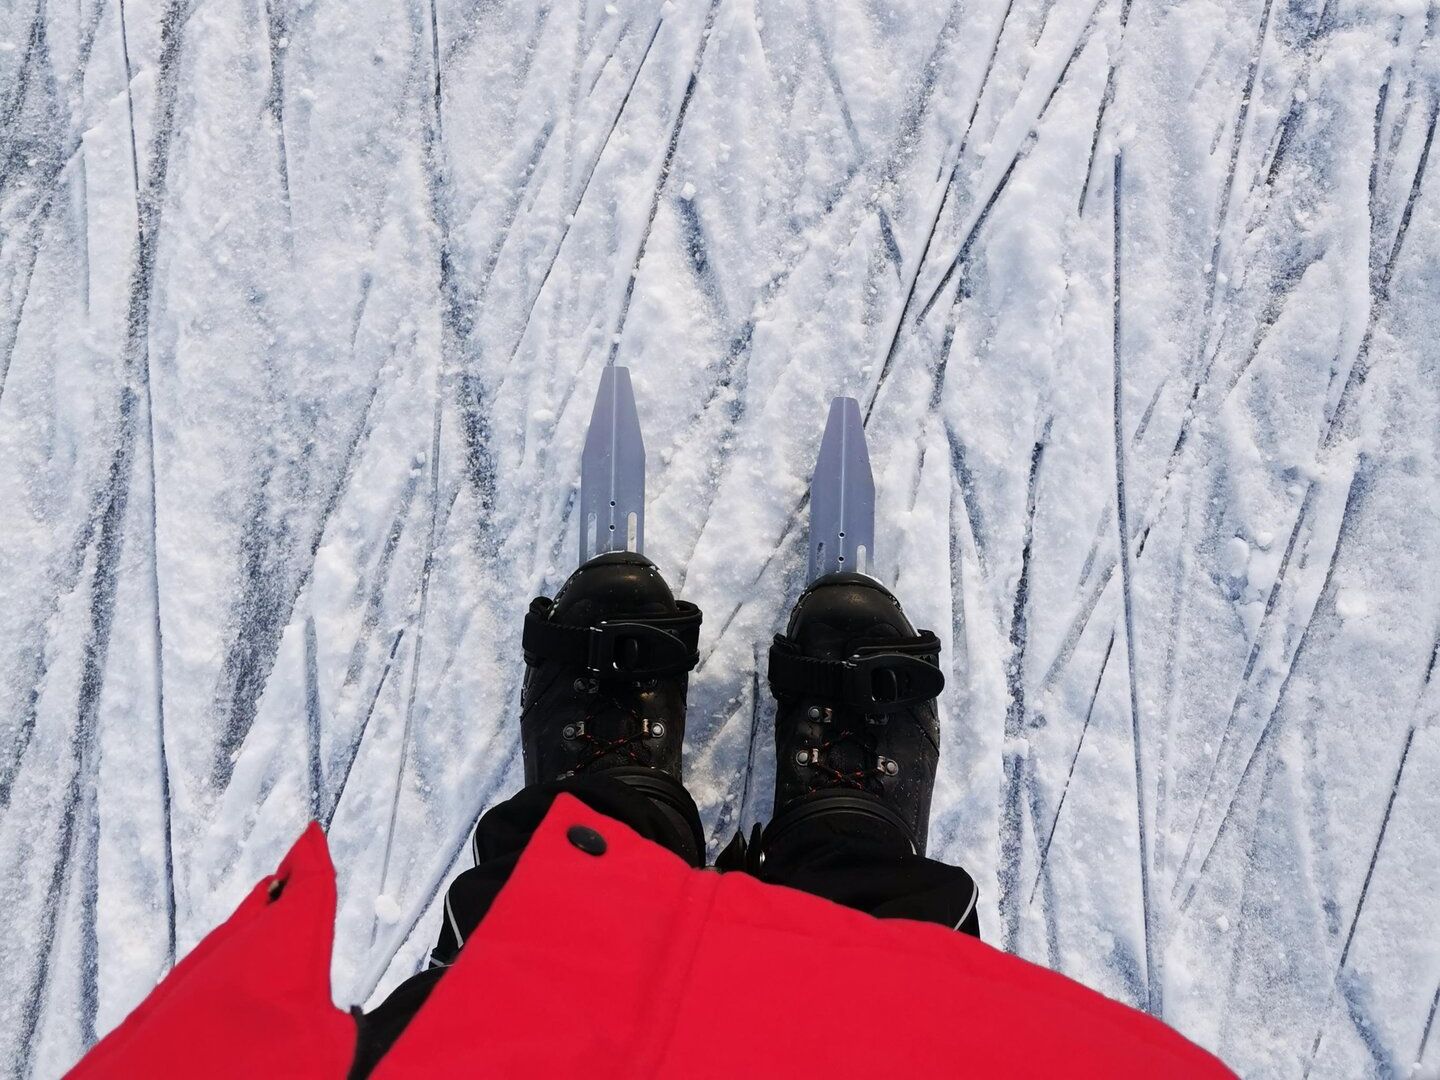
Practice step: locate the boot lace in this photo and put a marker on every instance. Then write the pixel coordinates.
(632, 745)
(863, 778)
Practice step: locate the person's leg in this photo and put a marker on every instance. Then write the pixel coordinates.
(871, 870)
(504, 831)
(857, 745)
(603, 719)
(500, 838)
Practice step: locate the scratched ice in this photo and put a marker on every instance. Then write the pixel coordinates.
(303, 307)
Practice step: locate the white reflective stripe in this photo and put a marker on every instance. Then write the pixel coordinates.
(974, 896)
(454, 926)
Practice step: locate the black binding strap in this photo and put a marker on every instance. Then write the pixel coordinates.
(877, 678)
(634, 647)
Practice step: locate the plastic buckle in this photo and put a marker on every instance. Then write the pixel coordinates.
(888, 681)
(635, 650)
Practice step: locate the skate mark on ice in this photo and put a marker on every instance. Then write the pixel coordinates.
(1435, 1000)
(969, 498)
(1227, 191)
(1205, 358)
(416, 652)
(733, 373)
(663, 180)
(567, 218)
(907, 138)
(34, 47)
(1375, 207)
(1324, 601)
(518, 187)
(1380, 294)
(475, 398)
(73, 563)
(1011, 807)
(35, 996)
(1380, 288)
(786, 535)
(609, 57)
(110, 538)
(1102, 528)
(908, 130)
(1258, 199)
(1103, 570)
(1070, 774)
(1153, 978)
(267, 601)
(1335, 984)
(342, 781)
(1429, 1023)
(1363, 1023)
(827, 61)
(1179, 607)
(40, 163)
(695, 241)
(314, 768)
(265, 654)
(277, 33)
(456, 323)
(39, 659)
(460, 45)
(1107, 98)
(1358, 372)
(1248, 911)
(1397, 129)
(1027, 719)
(1387, 149)
(373, 586)
(31, 256)
(1279, 149)
(153, 520)
(1257, 643)
(976, 220)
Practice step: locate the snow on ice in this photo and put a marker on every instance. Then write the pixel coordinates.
(1138, 300)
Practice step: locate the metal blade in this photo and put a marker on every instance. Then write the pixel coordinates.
(842, 496)
(612, 471)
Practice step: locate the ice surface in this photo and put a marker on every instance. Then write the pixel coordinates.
(303, 305)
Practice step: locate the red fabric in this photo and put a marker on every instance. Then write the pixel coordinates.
(253, 998)
(631, 964)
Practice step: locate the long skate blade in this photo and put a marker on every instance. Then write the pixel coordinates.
(612, 471)
(842, 496)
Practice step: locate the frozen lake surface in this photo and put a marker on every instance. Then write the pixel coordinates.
(303, 304)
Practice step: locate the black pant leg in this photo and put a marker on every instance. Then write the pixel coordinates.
(505, 830)
(500, 837)
(873, 872)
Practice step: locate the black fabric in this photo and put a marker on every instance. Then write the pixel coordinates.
(377, 1030)
(871, 870)
(841, 861)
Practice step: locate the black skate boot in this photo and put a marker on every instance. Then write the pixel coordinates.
(857, 733)
(607, 667)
